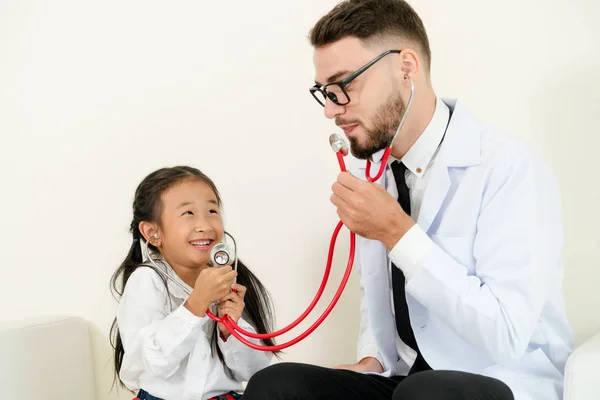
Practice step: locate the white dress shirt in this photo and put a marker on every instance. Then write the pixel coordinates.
(167, 348)
(418, 161)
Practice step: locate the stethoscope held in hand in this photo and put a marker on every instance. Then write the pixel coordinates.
(222, 254)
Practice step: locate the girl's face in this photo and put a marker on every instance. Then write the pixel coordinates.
(190, 224)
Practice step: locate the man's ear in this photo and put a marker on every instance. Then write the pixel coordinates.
(409, 62)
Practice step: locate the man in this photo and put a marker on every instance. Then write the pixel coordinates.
(460, 239)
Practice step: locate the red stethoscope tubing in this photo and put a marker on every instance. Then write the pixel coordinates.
(239, 333)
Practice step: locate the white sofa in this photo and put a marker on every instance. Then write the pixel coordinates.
(48, 358)
(582, 374)
(51, 359)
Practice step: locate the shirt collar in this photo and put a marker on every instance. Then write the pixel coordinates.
(419, 156)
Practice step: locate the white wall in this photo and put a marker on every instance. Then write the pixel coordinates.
(93, 96)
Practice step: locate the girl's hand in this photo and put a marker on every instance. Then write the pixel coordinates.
(233, 305)
(212, 284)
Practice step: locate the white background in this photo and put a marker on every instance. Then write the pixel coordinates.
(95, 95)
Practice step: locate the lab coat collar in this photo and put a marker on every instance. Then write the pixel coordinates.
(419, 156)
(461, 148)
(462, 143)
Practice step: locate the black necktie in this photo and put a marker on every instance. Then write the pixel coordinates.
(398, 281)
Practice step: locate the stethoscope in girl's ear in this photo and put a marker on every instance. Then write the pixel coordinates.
(222, 254)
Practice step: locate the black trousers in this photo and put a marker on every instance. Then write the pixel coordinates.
(293, 381)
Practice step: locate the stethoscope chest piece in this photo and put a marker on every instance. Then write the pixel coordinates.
(221, 255)
(338, 143)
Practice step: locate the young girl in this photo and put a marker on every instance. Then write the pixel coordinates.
(165, 344)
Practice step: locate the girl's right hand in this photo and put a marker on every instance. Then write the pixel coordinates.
(212, 284)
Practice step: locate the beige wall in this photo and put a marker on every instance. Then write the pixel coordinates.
(94, 95)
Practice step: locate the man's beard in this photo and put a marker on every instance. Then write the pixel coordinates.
(385, 122)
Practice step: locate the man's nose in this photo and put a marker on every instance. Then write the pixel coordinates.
(332, 110)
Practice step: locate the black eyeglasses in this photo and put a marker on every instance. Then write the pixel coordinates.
(336, 91)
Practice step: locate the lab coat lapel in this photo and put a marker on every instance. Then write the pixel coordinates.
(460, 148)
(377, 288)
(376, 282)
(434, 196)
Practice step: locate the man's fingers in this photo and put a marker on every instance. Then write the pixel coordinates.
(341, 191)
(349, 181)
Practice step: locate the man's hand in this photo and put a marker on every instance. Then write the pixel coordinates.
(367, 364)
(368, 210)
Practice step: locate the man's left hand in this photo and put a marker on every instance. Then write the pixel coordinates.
(368, 210)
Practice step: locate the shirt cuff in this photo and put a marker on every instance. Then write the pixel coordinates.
(410, 250)
(369, 350)
(232, 341)
(187, 317)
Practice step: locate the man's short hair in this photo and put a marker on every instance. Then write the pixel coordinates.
(372, 21)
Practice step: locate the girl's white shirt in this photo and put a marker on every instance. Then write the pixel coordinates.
(167, 348)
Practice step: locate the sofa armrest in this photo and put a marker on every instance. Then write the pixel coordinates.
(582, 379)
(46, 358)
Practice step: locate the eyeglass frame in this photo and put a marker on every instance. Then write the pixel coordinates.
(346, 81)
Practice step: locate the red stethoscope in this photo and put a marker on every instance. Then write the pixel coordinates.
(340, 147)
(239, 333)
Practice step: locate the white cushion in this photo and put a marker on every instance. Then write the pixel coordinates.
(582, 373)
(46, 358)
(50, 358)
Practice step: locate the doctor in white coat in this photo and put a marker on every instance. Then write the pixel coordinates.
(460, 240)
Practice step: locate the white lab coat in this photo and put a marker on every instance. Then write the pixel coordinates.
(486, 296)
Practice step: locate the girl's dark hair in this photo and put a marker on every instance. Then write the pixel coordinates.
(147, 207)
